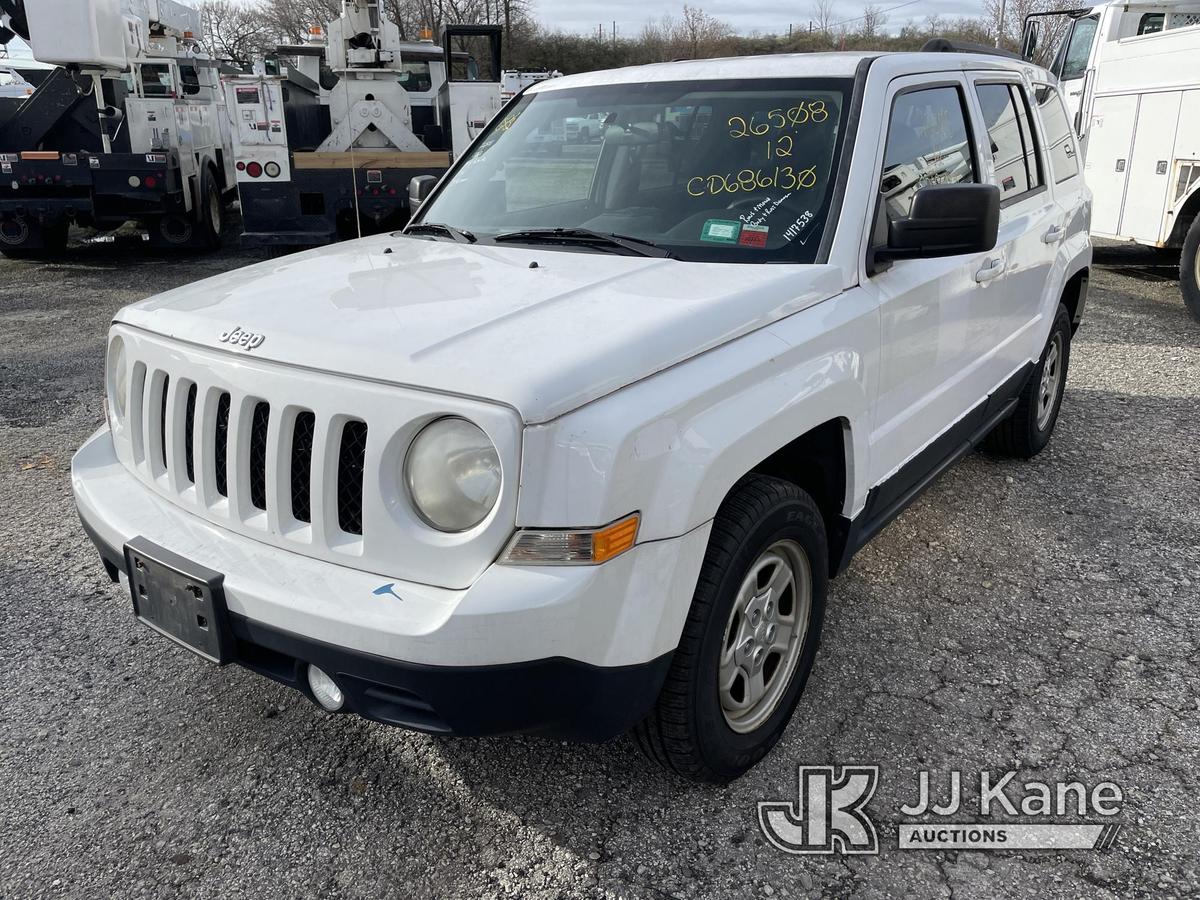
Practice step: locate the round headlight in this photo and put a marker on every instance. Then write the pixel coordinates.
(453, 474)
(118, 377)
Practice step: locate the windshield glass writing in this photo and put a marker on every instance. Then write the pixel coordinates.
(722, 171)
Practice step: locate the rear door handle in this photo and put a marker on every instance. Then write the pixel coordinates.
(993, 268)
(1054, 235)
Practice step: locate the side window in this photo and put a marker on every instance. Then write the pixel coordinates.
(1080, 48)
(928, 142)
(1011, 136)
(1060, 139)
(1151, 23)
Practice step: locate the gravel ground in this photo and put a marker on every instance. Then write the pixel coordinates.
(1034, 616)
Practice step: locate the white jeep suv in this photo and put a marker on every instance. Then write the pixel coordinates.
(578, 452)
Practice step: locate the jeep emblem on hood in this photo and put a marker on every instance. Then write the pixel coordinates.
(239, 338)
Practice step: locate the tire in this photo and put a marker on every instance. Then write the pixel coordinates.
(1027, 431)
(704, 733)
(210, 217)
(21, 238)
(1189, 263)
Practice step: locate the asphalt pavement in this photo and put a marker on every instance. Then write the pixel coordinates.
(1041, 617)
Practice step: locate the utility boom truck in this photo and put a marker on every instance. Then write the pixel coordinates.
(1130, 80)
(325, 149)
(131, 127)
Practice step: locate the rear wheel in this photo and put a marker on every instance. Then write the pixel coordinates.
(750, 638)
(1189, 269)
(1027, 431)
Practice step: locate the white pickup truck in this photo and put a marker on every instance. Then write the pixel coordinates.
(577, 453)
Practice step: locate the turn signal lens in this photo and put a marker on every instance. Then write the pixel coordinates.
(253, 169)
(560, 547)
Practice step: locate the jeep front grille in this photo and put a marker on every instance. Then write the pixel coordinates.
(298, 459)
(179, 420)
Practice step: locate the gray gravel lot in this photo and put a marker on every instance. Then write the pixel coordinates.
(1035, 616)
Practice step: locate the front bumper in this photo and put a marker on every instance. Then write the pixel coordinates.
(573, 652)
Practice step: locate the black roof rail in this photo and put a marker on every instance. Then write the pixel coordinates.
(945, 45)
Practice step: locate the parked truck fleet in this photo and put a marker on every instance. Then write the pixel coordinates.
(137, 125)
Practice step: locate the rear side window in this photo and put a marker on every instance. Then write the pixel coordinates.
(1060, 138)
(1011, 136)
(928, 142)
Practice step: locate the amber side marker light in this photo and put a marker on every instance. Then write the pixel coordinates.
(571, 547)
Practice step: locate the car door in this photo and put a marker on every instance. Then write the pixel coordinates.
(929, 340)
(1062, 154)
(1008, 328)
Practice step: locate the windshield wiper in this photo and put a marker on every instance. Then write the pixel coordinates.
(639, 246)
(458, 234)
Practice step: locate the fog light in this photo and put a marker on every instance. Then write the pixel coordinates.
(325, 689)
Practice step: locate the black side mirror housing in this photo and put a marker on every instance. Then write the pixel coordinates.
(1030, 42)
(419, 187)
(946, 220)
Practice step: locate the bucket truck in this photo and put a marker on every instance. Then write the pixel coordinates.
(325, 148)
(131, 126)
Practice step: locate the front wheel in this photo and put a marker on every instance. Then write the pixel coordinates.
(1189, 269)
(750, 638)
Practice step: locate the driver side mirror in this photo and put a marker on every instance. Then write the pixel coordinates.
(946, 220)
(419, 187)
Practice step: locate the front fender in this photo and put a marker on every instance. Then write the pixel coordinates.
(672, 445)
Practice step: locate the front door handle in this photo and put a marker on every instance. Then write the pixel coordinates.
(993, 268)
(1054, 235)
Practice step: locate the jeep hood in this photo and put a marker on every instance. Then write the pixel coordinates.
(542, 330)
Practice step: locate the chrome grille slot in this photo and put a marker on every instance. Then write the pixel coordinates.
(352, 454)
(303, 433)
(258, 454)
(189, 435)
(221, 446)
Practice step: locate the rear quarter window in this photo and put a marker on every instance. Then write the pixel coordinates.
(1060, 136)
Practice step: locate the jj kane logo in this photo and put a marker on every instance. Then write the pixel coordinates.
(830, 816)
(245, 339)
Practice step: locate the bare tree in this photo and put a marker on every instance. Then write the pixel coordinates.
(823, 17)
(872, 23)
(233, 32)
(1052, 27)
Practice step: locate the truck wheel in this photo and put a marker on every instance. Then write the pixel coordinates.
(750, 638)
(1023, 434)
(211, 213)
(1189, 269)
(173, 230)
(21, 238)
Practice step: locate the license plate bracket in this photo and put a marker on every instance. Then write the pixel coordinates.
(181, 600)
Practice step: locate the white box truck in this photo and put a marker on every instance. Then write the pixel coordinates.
(1129, 75)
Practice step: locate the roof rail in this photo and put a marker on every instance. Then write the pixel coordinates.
(945, 45)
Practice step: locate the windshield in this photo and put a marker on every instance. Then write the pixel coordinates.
(710, 171)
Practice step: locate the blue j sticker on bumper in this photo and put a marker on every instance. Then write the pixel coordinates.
(384, 589)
